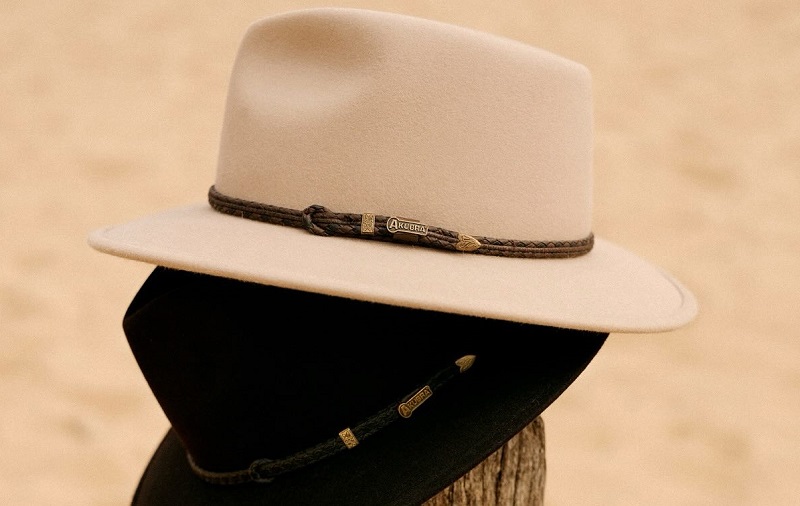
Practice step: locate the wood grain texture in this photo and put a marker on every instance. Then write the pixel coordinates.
(514, 475)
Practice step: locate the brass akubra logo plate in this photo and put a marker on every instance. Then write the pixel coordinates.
(407, 408)
(406, 226)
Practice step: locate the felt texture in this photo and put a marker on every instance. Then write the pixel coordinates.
(246, 371)
(363, 111)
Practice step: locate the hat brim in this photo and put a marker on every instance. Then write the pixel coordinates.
(406, 463)
(607, 290)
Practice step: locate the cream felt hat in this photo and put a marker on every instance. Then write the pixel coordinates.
(387, 158)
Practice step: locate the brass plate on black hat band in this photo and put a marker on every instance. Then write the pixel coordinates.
(406, 409)
(348, 438)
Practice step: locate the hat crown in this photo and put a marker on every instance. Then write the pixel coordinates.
(363, 111)
(342, 123)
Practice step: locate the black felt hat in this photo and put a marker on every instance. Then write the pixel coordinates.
(284, 397)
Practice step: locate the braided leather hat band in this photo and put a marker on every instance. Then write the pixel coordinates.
(320, 221)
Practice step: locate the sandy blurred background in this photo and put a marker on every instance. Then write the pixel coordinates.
(111, 110)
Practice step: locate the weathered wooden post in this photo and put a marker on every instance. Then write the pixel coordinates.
(514, 475)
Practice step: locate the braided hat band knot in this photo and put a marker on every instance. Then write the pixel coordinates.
(319, 220)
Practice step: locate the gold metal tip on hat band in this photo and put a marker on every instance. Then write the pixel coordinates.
(320, 221)
(266, 470)
(465, 362)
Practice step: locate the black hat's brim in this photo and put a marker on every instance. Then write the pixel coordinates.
(409, 461)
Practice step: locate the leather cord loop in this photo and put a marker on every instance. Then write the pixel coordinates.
(308, 219)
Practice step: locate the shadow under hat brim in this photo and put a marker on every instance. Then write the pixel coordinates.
(411, 460)
(607, 290)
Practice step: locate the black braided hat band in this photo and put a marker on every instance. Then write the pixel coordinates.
(266, 470)
(320, 221)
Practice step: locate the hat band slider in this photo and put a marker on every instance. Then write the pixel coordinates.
(265, 470)
(320, 221)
